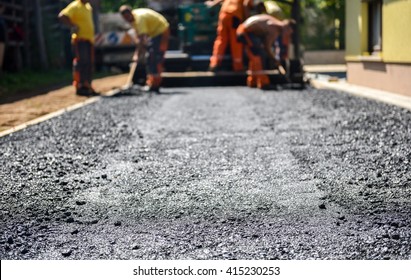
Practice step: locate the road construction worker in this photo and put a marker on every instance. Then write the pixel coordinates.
(232, 13)
(78, 16)
(259, 33)
(271, 8)
(152, 36)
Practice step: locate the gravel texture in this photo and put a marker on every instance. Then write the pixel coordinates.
(211, 173)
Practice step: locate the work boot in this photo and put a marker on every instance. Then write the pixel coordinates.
(215, 69)
(150, 89)
(268, 87)
(251, 84)
(89, 92)
(92, 92)
(83, 91)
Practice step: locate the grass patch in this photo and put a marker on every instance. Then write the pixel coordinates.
(30, 80)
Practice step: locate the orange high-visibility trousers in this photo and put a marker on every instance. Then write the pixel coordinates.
(226, 35)
(256, 77)
(83, 63)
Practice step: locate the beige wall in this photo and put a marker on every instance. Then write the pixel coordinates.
(384, 76)
(324, 57)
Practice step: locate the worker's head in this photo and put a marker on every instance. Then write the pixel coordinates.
(260, 7)
(125, 11)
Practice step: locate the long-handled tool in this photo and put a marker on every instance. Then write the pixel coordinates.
(136, 78)
(132, 72)
(282, 70)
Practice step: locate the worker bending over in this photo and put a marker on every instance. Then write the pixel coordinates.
(152, 35)
(259, 33)
(232, 13)
(78, 16)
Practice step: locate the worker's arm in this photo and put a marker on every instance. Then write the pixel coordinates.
(141, 47)
(66, 21)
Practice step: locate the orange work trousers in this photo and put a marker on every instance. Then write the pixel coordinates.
(226, 35)
(83, 63)
(256, 77)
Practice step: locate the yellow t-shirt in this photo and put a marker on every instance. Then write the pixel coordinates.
(147, 21)
(81, 15)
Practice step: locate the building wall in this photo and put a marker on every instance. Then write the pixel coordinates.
(353, 28)
(397, 31)
(391, 69)
(379, 75)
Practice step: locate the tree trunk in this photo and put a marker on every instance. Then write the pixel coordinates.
(27, 49)
(296, 15)
(40, 35)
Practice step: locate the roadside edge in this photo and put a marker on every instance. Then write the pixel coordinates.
(378, 95)
(48, 116)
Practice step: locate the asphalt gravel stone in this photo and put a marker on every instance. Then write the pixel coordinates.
(211, 173)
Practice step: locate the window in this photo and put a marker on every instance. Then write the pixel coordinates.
(374, 26)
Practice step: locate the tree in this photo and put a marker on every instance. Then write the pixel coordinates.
(323, 24)
(113, 5)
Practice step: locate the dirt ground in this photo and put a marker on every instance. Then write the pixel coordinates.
(30, 106)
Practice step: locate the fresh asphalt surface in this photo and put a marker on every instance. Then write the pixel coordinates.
(211, 173)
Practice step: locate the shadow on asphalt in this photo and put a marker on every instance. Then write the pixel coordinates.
(171, 93)
(127, 93)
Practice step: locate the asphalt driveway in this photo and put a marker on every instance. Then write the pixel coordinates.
(211, 173)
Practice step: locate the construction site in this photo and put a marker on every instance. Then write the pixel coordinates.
(207, 168)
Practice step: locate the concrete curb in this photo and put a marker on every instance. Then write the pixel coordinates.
(374, 94)
(58, 113)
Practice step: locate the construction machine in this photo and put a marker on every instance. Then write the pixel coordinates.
(197, 30)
